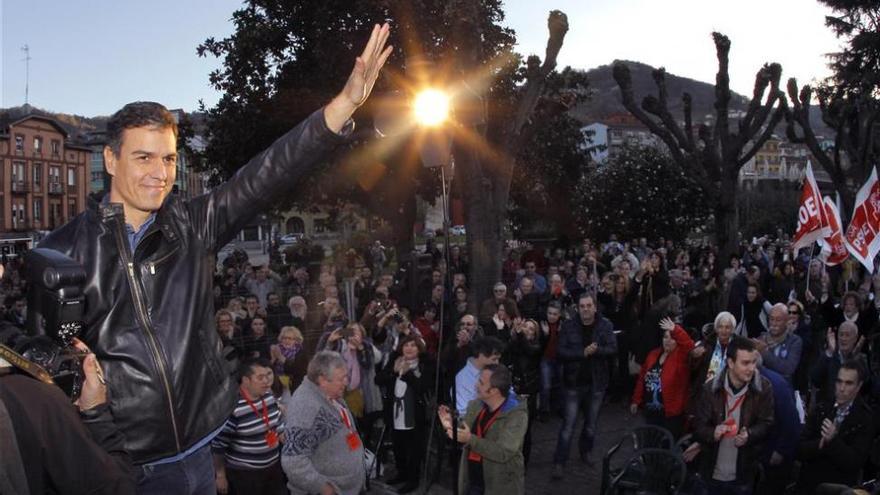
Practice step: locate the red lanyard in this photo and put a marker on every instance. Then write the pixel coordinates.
(345, 418)
(736, 404)
(479, 429)
(254, 408)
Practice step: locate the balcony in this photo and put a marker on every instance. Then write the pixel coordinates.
(56, 188)
(19, 186)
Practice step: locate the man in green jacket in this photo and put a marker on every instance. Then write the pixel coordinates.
(491, 433)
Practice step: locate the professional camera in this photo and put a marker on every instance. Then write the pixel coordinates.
(55, 317)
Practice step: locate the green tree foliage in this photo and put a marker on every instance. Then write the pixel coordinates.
(641, 192)
(555, 158)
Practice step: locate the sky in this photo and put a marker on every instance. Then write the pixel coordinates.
(90, 58)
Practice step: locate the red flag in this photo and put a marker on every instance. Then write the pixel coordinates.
(812, 222)
(833, 248)
(862, 239)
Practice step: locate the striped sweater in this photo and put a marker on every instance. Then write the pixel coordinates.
(243, 439)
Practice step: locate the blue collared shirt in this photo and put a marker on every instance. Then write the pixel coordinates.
(134, 237)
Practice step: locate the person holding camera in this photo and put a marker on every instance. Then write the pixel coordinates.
(149, 258)
(50, 445)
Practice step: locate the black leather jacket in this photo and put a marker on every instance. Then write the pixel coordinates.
(150, 314)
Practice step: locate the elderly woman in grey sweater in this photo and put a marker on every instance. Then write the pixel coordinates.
(323, 451)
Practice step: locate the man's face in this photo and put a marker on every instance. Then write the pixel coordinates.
(20, 307)
(847, 336)
(530, 268)
(743, 368)
(334, 386)
(847, 386)
(794, 314)
(262, 274)
(259, 383)
(274, 300)
(526, 286)
(556, 282)
(458, 280)
(850, 306)
(145, 169)
(252, 305)
(436, 277)
(587, 309)
(437, 293)
(553, 315)
(778, 321)
(484, 385)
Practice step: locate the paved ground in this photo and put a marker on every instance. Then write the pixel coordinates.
(614, 422)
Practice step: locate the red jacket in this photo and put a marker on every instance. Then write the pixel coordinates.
(675, 375)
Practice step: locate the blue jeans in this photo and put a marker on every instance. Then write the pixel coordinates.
(193, 475)
(551, 374)
(577, 399)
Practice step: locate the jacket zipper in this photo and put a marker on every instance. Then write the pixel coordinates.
(153, 264)
(141, 311)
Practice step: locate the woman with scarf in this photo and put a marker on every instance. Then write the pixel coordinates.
(407, 376)
(708, 358)
(290, 341)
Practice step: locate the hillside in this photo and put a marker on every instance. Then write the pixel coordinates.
(605, 99)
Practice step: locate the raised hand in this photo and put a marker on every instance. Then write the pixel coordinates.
(362, 79)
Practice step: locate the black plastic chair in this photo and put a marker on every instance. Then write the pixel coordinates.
(642, 437)
(650, 472)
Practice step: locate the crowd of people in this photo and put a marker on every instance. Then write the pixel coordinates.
(764, 365)
(755, 385)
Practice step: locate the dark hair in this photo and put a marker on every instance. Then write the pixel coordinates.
(586, 295)
(138, 114)
(486, 346)
(500, 378)
(555, 305)
(246, 368)
(406, 339)
(857, 364)
(757, 290)
(738, 343)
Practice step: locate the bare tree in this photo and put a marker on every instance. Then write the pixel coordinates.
(485, 176)
(714, 153)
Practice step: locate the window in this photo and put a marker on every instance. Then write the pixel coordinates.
(19, 143)
(71, 208)
(38, 174)
(17, 171)
(38, 144)
(54, 175)
(56, 147)
(38, 209)
(71, 177)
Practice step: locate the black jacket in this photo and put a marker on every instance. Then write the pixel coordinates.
(149, 314)
(570, 351)
(59, 450)
(841, 460)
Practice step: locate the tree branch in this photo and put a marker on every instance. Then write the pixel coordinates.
(687, 108)
(722, 89)
(536, 77)
(624, 80)
(659, 107)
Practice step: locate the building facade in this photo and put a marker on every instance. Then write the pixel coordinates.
(43, 180)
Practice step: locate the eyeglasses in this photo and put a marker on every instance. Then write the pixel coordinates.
(793, 312)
